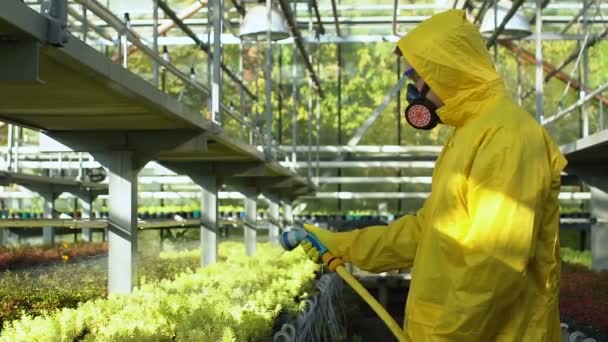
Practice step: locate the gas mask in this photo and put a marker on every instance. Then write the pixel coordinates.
(421, 112)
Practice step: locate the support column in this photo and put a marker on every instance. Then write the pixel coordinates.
(599, 230)
(250, 221)
(288, 216)
(48, 233)
(209, 226)
(274, 220)
(122, 230)
(86, 203)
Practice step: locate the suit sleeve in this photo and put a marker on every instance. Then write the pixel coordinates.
(384, 248)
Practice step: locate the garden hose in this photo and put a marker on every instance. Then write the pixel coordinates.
(291, 239)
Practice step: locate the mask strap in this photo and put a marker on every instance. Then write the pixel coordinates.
(425, 90)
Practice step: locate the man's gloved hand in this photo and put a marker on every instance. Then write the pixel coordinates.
(329, 239)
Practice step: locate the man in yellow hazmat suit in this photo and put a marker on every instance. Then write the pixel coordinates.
(484, 248)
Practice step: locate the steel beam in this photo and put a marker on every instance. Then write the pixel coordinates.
(250, 221)
(209, 223)
(268, 84)
(415, 195)
(528, 57)
(369, 164)
(374, 180)
(334, 10)
(205, 47)
(492, 40)
(48, 233)
(288, 215)
(295, 32)
(376, 113)
(274, 219)
(482, 11)
(575, 18)
(576, 105)
(543, 6)
(573, 56)
(239, 7)
(315, 6)
(86, 203)
(218, 65)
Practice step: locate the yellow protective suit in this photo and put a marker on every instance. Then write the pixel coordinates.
(484, 247)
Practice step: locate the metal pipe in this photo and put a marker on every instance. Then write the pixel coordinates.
(155, 41)
(239, 7)
(316, 8)
(125, 43)
(280, 132)
(572, 57)
(318, 118)
(575, 18)
(394, 24)
(310, 86)
(9, 152)
(601, 116)
(85, 24)
(334, 10)
(539, 62)
(205, 47)
(295, 32)
(166, 27)
(497, 31)
(530, 58)
(576, 105)
(268, 82)
(482, 11)
(543, 6)
(339, 116)
(294, 95)
(216, 88)
(104, 14)
(585, 71)
(83, 18)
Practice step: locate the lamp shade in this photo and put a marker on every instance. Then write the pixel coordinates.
(517, 27)
(255, 24)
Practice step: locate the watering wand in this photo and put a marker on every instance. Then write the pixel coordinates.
(293, 238)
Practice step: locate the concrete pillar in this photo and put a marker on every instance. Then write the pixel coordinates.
(250, 222)
(48, 233)
(122, 232)
(599, 230)
(209, 223)
(274, 220)
(86, 203)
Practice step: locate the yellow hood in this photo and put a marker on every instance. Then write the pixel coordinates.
(447, 51)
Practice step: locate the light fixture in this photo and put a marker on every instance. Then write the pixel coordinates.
(516, 28)
(255, 24)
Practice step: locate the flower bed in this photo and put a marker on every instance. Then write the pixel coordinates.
(584, 296)
(234, 300)
(24, 256)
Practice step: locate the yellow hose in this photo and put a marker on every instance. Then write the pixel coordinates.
(384, 316)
